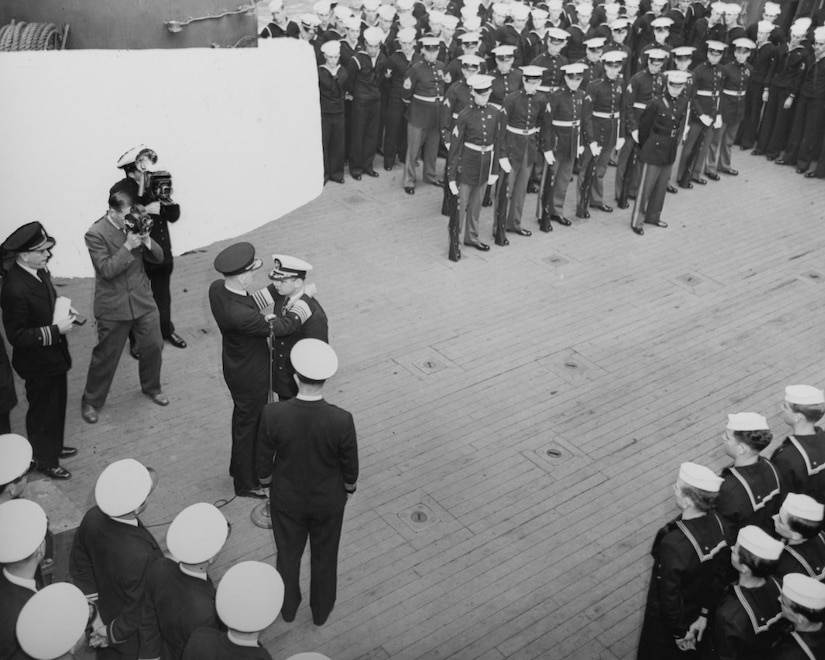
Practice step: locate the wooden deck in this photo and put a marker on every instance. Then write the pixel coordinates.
(533, 402)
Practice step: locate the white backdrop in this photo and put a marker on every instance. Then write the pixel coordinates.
(239, 129)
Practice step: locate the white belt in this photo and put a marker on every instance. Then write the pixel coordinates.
(478, 147)
(704, 92)
(733, 92)
(522, 131)
(428, 99)
(548, 89)
(563, 124)
(605, 115)
(640, 106)
(494, 105)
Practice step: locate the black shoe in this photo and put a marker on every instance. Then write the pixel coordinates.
(159, 398)
(532, 187)
(782, 161)
(638, 230)
(487, 202)
(672, 189)
(801, 170)
(88, 413)
(337, 179)
(582, 213)
(612, 163)
(388, 168)
(602, 207)
(483, 247)
(371, 173)
(357, 177)
(67, 452)
(176, 340)
(255, 493)
(520, 232)
(758, 152)
(713, 176)
(686, 186)
(658, 223)
(409, 191)
(561, 220)
(546, 228)
(437, 182)
(811, 174)
(134, 352)
(56, 472)
(770, 157)
(730, 172)
(289, 617)
(623, 205)
(700, 181)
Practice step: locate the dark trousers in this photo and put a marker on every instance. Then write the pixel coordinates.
(597, 185)
(245, 415)
(753, 111)
(160, 277)
(291, 530)
(395, 133)
(651, 198)
(46, 418)
(5, 423)
(776, 123)
(111, 337)
(364, 136)
(623, 176)
(695, 152)
(333, 140)
(806, 134)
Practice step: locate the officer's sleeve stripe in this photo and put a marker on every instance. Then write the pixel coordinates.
(262, 298)
(46, 335)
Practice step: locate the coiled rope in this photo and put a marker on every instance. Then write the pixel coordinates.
(30, 36)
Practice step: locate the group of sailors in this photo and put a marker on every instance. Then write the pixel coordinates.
(740, 573)
(568, 85)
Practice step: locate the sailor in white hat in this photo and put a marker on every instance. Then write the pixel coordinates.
(363, 77)
(750, 492)
(800, 459)
(52, 623)
(23, 528)
(799, 523)
(15, 462)
(332, 81)
(689, 554)
(803, 604)
(248, 600)
(311, 437)
(280, 26)
(112, 551)
(179, 596)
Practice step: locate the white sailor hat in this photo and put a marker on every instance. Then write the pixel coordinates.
(819, 33)
(574, 68)
(800, 27)
(472, 23)
(309, 21)
(594, 42)
(314, 359)
(122, 487)
(620, 23)
(372, 5)
(733, 8)
(467, 12)
(804, 590)
(697, 475)
(676, 77)
(717, 46)
(322, 7)
(765, 26)
(197, 533)
(718, 6)
(15, 457)
(539, 16)
(276, 5)
(683, 51)
(659, 54)
(309, 655)
(285, 266)
(505, 50)
(614, 57)
(52, 621)
(772, 8)
(407, 20)
(135, 153)
(331, 47)
(341, 12)
(747, 421)
(428, 41)
(803, 506)
(632, 3)
(249, 596)
(435, 17)
(404, 5)
(471, 60)
(585, 8)
(744, 42)
(501, 8)
(372, 36)
(469, 37)
(519, 12)
(804, 395)
(555, 5)
(23, 527)
(450, 22)
(406, 34)
(758, 542)
(661, 22)
(612, 9)
(352, 23)
(480, 82)
(658, 3)
(532, 71)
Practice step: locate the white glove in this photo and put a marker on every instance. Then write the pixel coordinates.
(595, 149)
(788, 103)
(453, 187)
(580, 150)
(635, 135)
(153, 208)
(549, 157)
(765, 96)
(493, 178)
(718, 122)
(505, 164)
(619, 144)
(705, 119)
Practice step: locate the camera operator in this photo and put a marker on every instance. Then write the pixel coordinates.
(138, 182)
(118, 244)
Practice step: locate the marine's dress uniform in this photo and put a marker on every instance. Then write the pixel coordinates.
(800, 461)
(123, 301)
(807, 558)
(524, 114)
(423, 91)
(475, 147)
(211, 644)
(749, 495)
(245, 358)
(310, 450)
(40, 355)
(688, 555)
(562, 134)
(735, 81)
(175, 605)
(660, 130)
(110, 560)
(332, 86)
(604, 123)
(707, 84)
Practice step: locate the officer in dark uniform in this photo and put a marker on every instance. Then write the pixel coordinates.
(688, 555)
(423, 93)
(332, 86)
(798, 524)
(395, 124)
(604, 127)
(660, 130)
(15, 461)
(751, 492)
(40, 351)
(473, 162)
(803, 604)
(800, 459)
(245, 354)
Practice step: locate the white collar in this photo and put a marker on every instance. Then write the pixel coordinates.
(26, 583)
(240, 292)
(307, 397)
(126, 521)
(241, 642)
(29, 270)
(190, 572)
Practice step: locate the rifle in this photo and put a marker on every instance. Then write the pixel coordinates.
(635, 214)
(585, 190)
(545, 198)
(502, 203)
(447, 198)
(452, 227)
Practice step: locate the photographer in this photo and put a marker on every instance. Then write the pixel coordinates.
(153, 190)
(118, 244)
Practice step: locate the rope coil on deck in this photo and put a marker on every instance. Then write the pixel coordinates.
(30, 36)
